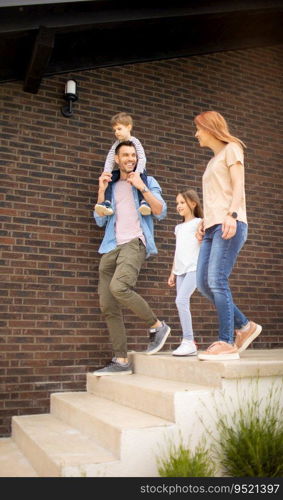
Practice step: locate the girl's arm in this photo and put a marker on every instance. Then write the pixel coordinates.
(172, 279)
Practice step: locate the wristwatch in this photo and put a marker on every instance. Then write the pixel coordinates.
(233, 214)
(144, 190)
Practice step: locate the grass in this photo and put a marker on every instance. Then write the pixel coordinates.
(251, 441)
(183, 462)
(246, 436)
(248, 432)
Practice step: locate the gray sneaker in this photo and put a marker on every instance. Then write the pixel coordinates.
(158, 337)
(114, 368)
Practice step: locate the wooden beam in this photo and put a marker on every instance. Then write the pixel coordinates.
(42, 50)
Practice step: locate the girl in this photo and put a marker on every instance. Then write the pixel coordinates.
(184, 265)
(223, 232)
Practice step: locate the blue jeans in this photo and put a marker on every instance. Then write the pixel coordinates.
(215, 263)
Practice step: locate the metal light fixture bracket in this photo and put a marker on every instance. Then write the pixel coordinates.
(70, 96)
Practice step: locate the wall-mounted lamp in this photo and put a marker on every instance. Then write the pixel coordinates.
(70, 96)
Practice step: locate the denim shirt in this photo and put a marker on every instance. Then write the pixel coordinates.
(109, 241)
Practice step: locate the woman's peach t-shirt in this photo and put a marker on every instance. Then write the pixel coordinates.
(217, 186)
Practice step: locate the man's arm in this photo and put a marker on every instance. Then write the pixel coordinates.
(103, 181)
(155, 204)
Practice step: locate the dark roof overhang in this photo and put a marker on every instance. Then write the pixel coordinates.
(43, 38)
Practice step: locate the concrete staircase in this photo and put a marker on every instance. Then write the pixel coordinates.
(120, 425)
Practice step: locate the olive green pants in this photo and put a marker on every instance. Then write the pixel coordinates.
(118, 274)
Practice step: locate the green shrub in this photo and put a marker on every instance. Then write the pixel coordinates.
(251, 439)
(182, 462)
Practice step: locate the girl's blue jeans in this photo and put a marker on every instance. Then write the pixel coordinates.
(215, 263)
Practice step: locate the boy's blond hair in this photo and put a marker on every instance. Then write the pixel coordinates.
(123, 119)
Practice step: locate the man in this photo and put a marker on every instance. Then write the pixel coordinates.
(127, 241)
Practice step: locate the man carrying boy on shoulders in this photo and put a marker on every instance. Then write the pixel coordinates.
(127, 242)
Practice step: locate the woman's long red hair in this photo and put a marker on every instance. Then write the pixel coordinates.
(216, 124)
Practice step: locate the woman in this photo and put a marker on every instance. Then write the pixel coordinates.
(223, 232)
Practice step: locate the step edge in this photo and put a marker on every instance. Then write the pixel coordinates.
(56, 461)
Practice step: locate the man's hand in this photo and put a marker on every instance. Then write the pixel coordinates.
(200, 231)
(136, 181)
(229, 227)
(104, 180)
(155, 204)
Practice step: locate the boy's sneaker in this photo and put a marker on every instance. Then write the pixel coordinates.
(114, 368)
(220, 351)
(144, 208)
(158, 337)
(245, 338)
(104, 208)
(187, 348)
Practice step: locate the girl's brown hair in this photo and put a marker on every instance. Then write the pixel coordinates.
(191, 195)
(216, 124)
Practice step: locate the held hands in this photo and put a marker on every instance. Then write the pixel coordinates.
(200, 231)
(229, 227)
(171, 280)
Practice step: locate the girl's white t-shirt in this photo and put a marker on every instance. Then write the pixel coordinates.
(187, 247)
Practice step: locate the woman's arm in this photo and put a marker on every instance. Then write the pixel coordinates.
(229, 225)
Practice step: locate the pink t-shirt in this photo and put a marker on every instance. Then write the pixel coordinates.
(127, 218)
(217, 186)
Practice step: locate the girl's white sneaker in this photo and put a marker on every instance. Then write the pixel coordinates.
(187, 348)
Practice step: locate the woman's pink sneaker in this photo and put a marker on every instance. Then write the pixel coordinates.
(244, 339)
(220, 351)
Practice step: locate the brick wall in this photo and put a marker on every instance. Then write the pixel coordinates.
(51, 329)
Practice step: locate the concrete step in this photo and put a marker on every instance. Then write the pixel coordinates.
(252, 363)
(108, 422)
(143, 392)
(12, 461)
(56, 449)
(181, 369)
(119, 427)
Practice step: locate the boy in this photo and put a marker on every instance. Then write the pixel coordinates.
(122, 124)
